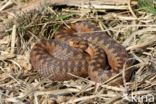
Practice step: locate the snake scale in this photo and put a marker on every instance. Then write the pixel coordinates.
(94, 53)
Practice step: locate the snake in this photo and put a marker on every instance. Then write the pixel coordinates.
(93, 53)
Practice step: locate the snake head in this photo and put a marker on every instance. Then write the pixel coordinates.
(77, 43)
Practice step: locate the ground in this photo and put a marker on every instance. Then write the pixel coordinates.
(134, 28)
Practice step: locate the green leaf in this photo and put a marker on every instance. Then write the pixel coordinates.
(64, 16)
(148, 5)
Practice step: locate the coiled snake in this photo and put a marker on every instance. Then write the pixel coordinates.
(80, 49)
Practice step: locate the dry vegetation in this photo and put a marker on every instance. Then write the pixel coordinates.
(133, 28)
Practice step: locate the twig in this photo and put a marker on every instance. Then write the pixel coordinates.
(9, 3)
(13, 39)
(112, 101)
(117, 89)
(141, 45)
(128, 40)
(88, 98)
(55, 92)
(4, 70)
(96, 4)
(130, 9)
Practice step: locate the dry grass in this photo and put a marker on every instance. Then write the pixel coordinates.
(134, 29)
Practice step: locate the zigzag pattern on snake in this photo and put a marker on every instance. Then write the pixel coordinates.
(56, 57)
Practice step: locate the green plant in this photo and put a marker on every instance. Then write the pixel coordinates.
(148, 5)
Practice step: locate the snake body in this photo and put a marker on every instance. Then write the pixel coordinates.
(57, 58)
(54, 58)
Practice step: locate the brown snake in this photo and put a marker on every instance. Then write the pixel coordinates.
(57, 57)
